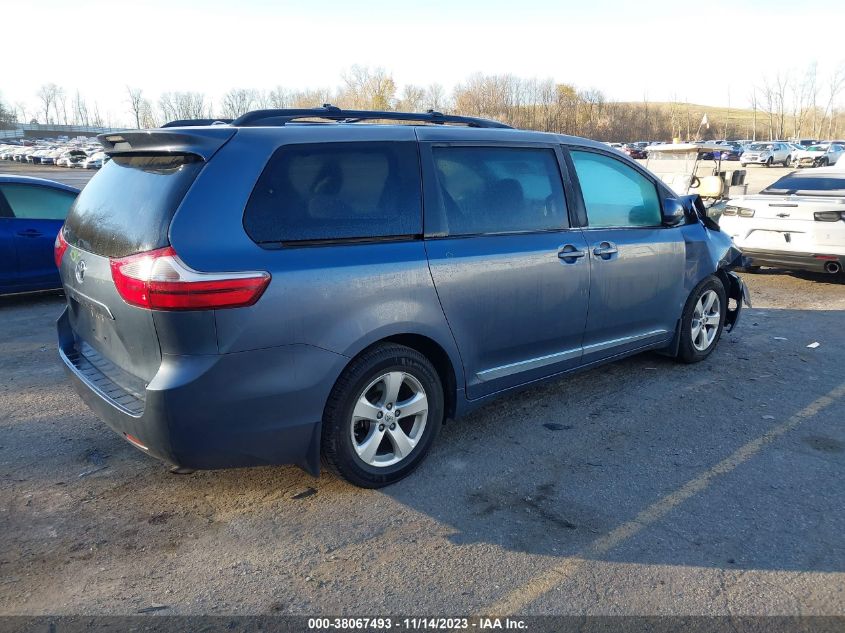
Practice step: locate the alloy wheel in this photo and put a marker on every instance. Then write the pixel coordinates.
(389, 418)
(705, 320)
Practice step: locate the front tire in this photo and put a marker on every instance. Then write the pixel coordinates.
(702, 320)
(769, 162)
(382, 416)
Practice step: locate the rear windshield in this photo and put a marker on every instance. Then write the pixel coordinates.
(336, 191)
(128, 206)
(809, 185)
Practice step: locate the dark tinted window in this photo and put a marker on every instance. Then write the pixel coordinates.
(34, 202)
(127, 207)
(496, 190)
(809, 184)
(615, 194)
(336, 191)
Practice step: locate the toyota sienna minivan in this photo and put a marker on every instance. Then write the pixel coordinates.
(298, 284)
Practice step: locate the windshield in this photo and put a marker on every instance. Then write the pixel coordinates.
(808, 185)
(671, 162)
(817, 148)
(759, 147)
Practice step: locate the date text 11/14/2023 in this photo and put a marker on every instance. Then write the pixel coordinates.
(415, 623)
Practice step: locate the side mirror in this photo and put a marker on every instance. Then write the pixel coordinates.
(674, 212)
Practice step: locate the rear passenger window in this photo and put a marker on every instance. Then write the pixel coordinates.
(615, 194)
(336, 191)
(496, 190)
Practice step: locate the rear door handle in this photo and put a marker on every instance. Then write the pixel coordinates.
(30, 233)
(570, 253)
(605, 250)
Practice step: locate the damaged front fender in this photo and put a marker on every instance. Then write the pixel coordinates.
(710, 251)
(737, 291)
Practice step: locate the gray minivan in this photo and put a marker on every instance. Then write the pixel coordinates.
(298, 283)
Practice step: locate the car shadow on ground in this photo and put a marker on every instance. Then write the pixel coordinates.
(555, 470)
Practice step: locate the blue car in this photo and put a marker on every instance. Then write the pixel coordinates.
(32, 210)
(273, 289)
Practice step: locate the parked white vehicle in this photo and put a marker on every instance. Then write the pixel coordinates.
(94, 161)
(820, 155)
(797, 222)
(71, 158)
(767, 154)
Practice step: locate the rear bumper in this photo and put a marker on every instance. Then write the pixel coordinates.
(814, 262)
(217, 411)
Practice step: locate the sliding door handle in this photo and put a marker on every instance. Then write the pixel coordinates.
(605, 250)
(571, 253)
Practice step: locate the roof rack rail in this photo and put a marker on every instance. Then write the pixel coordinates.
(333, 113)
(195, 122)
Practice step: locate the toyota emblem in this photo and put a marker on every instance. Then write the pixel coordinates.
(79, 271)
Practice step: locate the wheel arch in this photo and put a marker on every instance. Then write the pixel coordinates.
(447, 366)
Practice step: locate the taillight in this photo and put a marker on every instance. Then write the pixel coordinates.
(59, 248)
(159, 280)
(743, 211)
(829, 216)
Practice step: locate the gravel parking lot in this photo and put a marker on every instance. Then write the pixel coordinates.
(642, 487)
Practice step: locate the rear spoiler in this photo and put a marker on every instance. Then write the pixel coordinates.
(203, 142)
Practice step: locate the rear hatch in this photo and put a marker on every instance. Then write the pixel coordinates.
(125, 209)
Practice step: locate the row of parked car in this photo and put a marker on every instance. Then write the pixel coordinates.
(89, 156)
(805, 153)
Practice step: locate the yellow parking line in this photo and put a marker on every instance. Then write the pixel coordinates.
(544, 582)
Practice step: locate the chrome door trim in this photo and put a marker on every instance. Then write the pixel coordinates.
(550, 359)
(525, 365)
(597, 347)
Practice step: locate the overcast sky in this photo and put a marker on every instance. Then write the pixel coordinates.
(706, 52)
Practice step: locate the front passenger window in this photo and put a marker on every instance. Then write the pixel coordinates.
(615, 194)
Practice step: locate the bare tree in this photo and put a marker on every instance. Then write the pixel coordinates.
(21, 110)
(80, 110)
(834, 87)
(96, 119)
(435, 98)
(367, 88)
(184, 105)
(411, 99)
(280, 97)
(7, 114)
(753, 100)
(136, 104)
(49, 94)
(769, 103)
(239, 101)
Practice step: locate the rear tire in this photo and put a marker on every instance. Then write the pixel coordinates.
(702, 320)
(367, 439)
